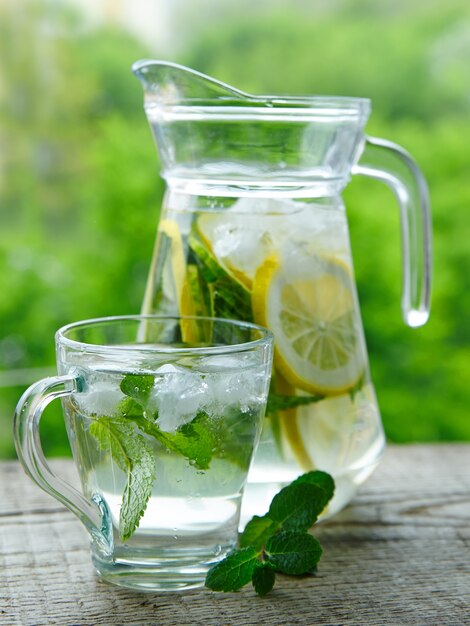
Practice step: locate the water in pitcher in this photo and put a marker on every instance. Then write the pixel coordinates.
(253, 227)
(284, 263)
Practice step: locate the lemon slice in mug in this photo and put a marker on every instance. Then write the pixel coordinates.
(309, 304)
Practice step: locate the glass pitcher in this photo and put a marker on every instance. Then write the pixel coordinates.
(253, 227)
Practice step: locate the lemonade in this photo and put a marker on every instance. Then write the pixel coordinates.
(285, 264)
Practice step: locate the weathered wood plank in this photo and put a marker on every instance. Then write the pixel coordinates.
(399, 555)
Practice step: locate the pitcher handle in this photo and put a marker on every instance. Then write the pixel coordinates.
(390, 163)
(28, 446)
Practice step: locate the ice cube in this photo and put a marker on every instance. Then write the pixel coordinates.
(244, 235)
(169, 368)
(177, 395)
(239, 389)
(101, 399)
(316, 228)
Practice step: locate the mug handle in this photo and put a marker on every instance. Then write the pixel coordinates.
(28, 446)
(393, 165)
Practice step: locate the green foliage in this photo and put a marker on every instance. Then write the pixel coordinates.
(257, 531)
(79, 189)
(122, 437)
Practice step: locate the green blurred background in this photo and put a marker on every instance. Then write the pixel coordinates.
(80, 192)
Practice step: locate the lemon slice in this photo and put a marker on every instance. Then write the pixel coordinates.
(177, 255)
(329, 428)
(309, 304)
(290, 427)
(185, 283)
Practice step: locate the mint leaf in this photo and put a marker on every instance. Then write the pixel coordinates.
(235, 434)
(263, 578)
(200, 298)
(229, 298)
(277, 402)
(257, 532)
(297, 506)
(195, 440)
(130, 408)
(293, 553)
(235, 571)
(134, 456)
(320, 479)
(137, 386)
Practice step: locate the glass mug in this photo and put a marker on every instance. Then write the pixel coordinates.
(163, 416)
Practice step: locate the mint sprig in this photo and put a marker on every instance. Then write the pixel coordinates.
(135, 457)
(277, 541)
(123, 437)
(194, 440)
(278, 402)
(229, 298)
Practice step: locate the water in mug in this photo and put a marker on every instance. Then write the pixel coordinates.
(192, 515)
(284, 263)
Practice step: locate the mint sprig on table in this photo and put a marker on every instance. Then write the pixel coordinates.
(277, 541)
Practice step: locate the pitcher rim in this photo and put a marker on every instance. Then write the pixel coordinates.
(320, 103)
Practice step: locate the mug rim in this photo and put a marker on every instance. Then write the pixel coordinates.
(62, 339)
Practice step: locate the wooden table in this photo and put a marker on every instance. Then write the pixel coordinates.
(400, 554)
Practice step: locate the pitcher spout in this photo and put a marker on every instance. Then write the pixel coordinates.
(170, 84)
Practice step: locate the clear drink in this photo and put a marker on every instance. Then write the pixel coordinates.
(284, 263)
(163, 415)
(198, 421)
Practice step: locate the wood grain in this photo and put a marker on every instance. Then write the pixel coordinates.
(399, 555)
